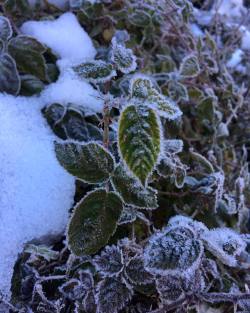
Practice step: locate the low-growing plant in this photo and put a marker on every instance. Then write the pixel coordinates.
(161, 219)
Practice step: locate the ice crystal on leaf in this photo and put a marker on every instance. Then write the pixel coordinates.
(95, 71)
(122, 57)
(139, 140)
(112, 295)
(175, 250)
(225, 244)
(136, 272)
(110, 262)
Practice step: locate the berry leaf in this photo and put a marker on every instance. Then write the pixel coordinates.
(28, 54)
(173, 251)
(123, 58)
(5, 28)
(131, 191)
(110, 262)
(93, 222)
(96, 71)
(9, 77)
(90, 162)
(112, 295)
(190, 66)
(139, 137)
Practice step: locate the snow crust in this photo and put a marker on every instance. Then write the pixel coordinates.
(36, 192)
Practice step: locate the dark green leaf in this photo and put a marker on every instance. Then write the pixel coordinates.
(9, 77)
(28, 54)
(131, 191)
(31, 85)
(90, 162)
(93, 222)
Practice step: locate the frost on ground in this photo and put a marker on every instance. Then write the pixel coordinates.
(36, 192)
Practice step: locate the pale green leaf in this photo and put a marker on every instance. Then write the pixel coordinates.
(139, 139)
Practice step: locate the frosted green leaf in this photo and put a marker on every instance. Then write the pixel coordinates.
(93, 222)
(225, 244)
(96, 71)
(140, 18)
(28, 54)
(131, 191)
(173, 146)
(112, 295)
(110, 262)
(173, 251)
(123, 58)
(5, 28)
(41, 251)
(140, 86)
(177, 91)
(90, 162)
(136, 272)
(139, 140)
(164, 106)
(190, 66)
(9, 77)
(129, 215)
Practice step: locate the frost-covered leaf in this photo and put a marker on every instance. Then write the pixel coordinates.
(112, 295)
(28, 54)
(179, 176)
(140, 18)
(129, 215)
(73, 289)
(31, 85)
(89, 302)
(110, 262)
(185, 221)
(206, 110)
(169, 288)
(139, 139)
(5, 28)
(96, 71)
(131, 191)
(225, 244)
(173, 251)
(139, 86)
(86, 278)
(136, 272)
(123, 58)
(164, 105)
(90, 162)
(177, 91)
(173, 146)
(9, 77)
(190, 66)
(94, 221)
(42, 251)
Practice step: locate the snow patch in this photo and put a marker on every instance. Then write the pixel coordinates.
(64, 36)
(36, 192)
